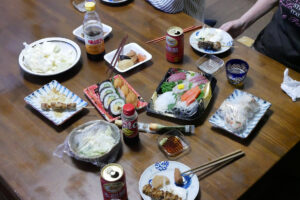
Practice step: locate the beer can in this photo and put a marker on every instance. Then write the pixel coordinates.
(113, 182)
(174, 44)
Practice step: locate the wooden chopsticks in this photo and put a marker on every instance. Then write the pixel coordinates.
(115, 59)
(223, 159)
(164, 37)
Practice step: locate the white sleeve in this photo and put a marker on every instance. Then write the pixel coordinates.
(168, 6)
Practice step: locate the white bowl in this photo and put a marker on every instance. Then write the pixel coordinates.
(63, 43)
(131, 46)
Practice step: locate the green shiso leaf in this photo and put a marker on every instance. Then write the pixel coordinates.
(167, 86)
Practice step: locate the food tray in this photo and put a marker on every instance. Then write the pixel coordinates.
(93, 96)
(202, 105)
(180, 151)
(34, 99)
(217, 120)
(131, 46)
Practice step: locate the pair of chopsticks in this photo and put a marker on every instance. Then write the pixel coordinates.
(115, 59)
(164, 37)
(223, 159)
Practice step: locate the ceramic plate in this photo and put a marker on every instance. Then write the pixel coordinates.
(218, 121)
(114, 1)
(132, 46)
(226, 40)
(78, 32)
(64, 44)
(37, 97)
(166, 168)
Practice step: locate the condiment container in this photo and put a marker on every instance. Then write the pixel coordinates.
(173, 144)
(209, 63)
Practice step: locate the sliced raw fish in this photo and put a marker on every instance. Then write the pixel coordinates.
(176, 77)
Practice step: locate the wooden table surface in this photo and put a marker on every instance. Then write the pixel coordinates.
(28, 139)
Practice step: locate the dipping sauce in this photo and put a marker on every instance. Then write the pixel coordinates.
(172, 145)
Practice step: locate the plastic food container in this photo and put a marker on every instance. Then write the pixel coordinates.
(209, 63)
(173, 144)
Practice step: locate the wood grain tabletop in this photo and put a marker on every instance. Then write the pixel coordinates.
(28, 139)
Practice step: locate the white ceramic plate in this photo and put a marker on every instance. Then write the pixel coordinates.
(64, 44)
(35, 100)
(114, 1)
(217, 120)
(226, 40)
(78, 32)
(131, 46)
(166, 168)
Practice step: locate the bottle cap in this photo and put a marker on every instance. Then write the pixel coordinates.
(128, 109)
(90, 5)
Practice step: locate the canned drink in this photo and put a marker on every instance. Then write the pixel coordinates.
(113, 182)
(174, 44)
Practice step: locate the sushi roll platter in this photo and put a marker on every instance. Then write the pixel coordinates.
(109, 97)
(182, 94)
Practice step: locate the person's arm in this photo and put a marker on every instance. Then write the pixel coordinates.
(238, 26)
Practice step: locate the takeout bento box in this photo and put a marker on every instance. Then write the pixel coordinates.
(203, 103)
(94, 97)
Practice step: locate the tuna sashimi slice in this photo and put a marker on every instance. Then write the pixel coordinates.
(176, 77)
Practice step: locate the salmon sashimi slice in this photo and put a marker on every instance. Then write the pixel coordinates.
(191, 94)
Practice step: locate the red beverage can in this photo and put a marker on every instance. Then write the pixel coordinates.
(174, 44)
(113, 182)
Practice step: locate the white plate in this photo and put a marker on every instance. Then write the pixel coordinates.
(166, 168)
(35, 100)
(114, 1)
(65, 44)
(226, 40)
(78, 32)
(217, 120)
(131, 46)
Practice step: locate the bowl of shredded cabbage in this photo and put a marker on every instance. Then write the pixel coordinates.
(94, 141)
(49, 56)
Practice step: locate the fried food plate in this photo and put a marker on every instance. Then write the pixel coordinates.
(225, 40)
(166, 168)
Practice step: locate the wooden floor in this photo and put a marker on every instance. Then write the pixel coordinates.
(226, 10)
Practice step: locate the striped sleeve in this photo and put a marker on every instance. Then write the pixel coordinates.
(195, 8)
(168, 6)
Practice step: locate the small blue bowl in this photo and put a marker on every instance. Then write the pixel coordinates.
(236, 71)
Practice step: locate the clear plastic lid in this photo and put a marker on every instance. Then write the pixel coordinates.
(209, 63)
(173, 144)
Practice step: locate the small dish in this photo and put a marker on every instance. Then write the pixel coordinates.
(236, 71)
(36, 98)
(209, 63)
(217, 120)
(173, 144)
(78, 32)
(114, 1)
(131, 46)
(63, 43)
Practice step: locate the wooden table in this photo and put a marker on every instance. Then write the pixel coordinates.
(28, 139)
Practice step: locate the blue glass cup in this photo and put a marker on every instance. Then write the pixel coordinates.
(236, 71)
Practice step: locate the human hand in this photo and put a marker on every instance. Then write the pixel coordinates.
(234, 28)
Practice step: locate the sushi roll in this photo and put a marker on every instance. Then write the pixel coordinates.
(115, 107)
(105, 84)
(108, 98)
(106, 91)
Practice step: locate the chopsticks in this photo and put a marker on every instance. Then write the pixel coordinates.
(223, 159)
(115, 59)
(164, 37)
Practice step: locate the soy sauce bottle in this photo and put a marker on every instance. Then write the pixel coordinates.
(130, 125)
(93, 32)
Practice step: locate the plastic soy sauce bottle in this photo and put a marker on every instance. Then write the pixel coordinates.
(93, 32)
(130, 125)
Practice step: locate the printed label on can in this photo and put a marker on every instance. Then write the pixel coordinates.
(174, 44)
(94, 44)
(130, 128)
